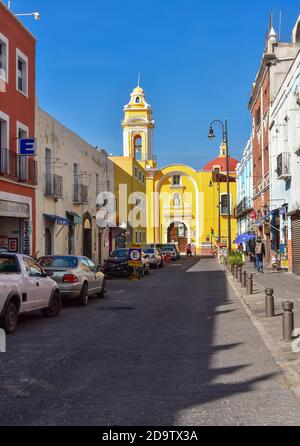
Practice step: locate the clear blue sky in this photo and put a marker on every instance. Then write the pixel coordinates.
(197, 58)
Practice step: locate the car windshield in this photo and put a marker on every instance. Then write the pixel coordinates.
(8, 265)
(123, 253)
(58, 262)
(149, 251)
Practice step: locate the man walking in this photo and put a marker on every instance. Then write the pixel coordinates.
(260, 252)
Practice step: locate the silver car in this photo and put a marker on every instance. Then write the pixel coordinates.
(76, 276)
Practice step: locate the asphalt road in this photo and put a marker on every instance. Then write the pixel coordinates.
(175, 348)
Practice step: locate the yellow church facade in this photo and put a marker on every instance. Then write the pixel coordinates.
(183, 205)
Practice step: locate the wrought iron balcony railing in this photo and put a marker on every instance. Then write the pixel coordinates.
(17, 167)
(54, 185)
(80, 193)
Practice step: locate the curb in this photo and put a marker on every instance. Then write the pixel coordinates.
(291, 376)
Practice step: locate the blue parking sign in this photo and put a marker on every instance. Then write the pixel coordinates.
(27, 147)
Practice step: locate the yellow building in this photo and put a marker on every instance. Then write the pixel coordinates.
(182, 204)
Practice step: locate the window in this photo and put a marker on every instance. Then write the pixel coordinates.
(143, 178)
(22, 133)
(137, 100)
(140, 175)
(32, 268)
(176, 180)
(3, 57)
(136, 236)
(138, 148)
(224, 204)
(4, 128)
(135, 172)
(217, 169)
(257, 117)
(22, 73)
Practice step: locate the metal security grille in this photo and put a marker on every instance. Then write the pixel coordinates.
(296, 244)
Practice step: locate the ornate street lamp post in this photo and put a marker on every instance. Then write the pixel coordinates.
(211, 135)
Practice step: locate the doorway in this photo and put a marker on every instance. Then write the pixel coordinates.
(178, 233)
(87, 236)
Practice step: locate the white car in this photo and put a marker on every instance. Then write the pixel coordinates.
(25, 287)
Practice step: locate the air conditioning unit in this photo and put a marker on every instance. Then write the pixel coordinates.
(284, 166)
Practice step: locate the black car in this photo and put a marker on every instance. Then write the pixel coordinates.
(117, 264)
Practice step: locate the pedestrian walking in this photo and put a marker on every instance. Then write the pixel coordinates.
(189, 250)
(260, 252)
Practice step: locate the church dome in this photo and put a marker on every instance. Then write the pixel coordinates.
(220, 162)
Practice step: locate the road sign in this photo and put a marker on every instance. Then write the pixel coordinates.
(135, 257)
(27, 146)
(252, 215)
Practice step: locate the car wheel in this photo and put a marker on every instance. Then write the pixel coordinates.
(54, 309)
(103, 291)
(84, 296)
(10, 319)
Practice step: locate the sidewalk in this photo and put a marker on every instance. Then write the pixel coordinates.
(286, 287)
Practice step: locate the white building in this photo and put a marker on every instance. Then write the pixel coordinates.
(284, 146)
(244, 207)
(71, 174)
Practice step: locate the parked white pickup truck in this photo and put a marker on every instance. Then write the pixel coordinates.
(25, 287)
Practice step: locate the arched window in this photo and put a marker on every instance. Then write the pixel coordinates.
(138, 147)
(137, 100)
(48, 242)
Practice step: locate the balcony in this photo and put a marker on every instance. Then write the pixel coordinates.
(284, 166)
(53, 186)
(80, 194)
(244, 207)
(18, 168)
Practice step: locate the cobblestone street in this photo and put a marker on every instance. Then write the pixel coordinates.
(176, 348)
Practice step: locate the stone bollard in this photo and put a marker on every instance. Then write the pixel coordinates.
(288, 321)
(236, 272)
(240, 270)
(244, 279)
(269, 303)
(250, 284)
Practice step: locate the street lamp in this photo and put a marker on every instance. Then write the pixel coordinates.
(36, 15)
(211, 135)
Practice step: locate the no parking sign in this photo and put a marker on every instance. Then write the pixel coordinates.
(135, 257)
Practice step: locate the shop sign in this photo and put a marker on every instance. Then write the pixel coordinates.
(27, 232)
(12, 209)
(13, 245)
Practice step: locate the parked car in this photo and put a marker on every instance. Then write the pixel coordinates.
(169, 251)
(117, 264)
(76, 276)
(175, 247)
(25, 287)
(155, 257)
(3, 250)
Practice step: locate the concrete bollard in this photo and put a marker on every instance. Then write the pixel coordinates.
(269, 303)
(240, 270)
(244, 279)
(288, 321)
(250, 284)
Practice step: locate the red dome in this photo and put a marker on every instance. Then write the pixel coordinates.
(220, 161)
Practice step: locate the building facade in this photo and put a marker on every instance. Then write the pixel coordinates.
(285, 167)
(72, 175)
(276, 62)
(244, 191)
(18, 174)
(183, 205)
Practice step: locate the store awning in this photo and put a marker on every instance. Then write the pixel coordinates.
(261, 220)
(244, 238)
(75, 217)
(56, 219)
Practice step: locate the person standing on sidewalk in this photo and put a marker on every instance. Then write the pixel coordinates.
(260, 252)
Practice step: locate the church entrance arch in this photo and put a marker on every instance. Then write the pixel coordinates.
(178, 233)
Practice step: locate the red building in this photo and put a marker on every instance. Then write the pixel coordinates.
(17, 121)
(276, 62)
